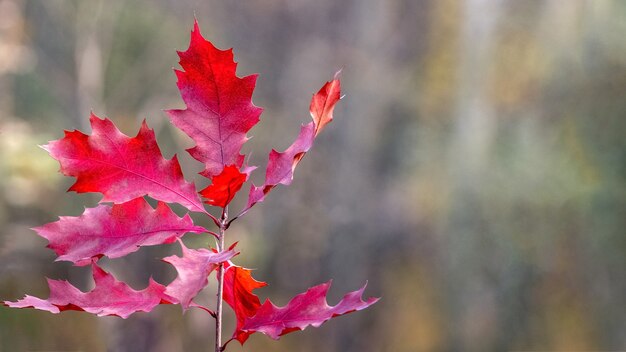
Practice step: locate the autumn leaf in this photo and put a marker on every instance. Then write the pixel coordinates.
(219, 104)
(120, 167)
(309, 308)
(238, 287)
(193, 269)
(109, 297)
(224, 186)
(281, 166)
(114, 231)
(323, 103)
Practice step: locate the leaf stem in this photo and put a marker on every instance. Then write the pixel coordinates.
(217, 222)
(214, 234)
(226, 343)
(223, 224)
(206, 310)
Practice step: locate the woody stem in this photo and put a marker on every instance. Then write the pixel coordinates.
(220, 282)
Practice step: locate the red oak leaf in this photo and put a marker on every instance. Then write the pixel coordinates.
(224, 186)
(114, 231)
(309, 308)
(120, 167)
(323, 103)
(193, 269)
(109, 297)
(238, 287)
(219, 104)
(281, 166)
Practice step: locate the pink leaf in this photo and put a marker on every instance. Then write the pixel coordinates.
(309, 308)
(238, 287)
(114, 231)
(120, 167)
(219, 104)
(193, 269)
(109, 297)
(281, 166)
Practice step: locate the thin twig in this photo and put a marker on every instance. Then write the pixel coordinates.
(220, 283)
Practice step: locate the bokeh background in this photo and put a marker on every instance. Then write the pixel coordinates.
(475, 173)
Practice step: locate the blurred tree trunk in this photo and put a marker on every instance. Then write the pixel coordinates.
(473, 132)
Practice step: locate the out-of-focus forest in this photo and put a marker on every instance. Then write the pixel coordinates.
(475, 173)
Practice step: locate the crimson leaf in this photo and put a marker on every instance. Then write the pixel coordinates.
(281, 166)
(114, 231)
(219, 109)
(120, 167)
(309, 308)
(224, 187)
(238, 287)
(193, 269)
(109, 297)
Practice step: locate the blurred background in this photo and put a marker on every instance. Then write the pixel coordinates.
(475, 173)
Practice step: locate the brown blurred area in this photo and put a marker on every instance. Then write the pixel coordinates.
(475, 172)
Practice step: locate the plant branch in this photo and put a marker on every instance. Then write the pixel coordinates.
(220, 283)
